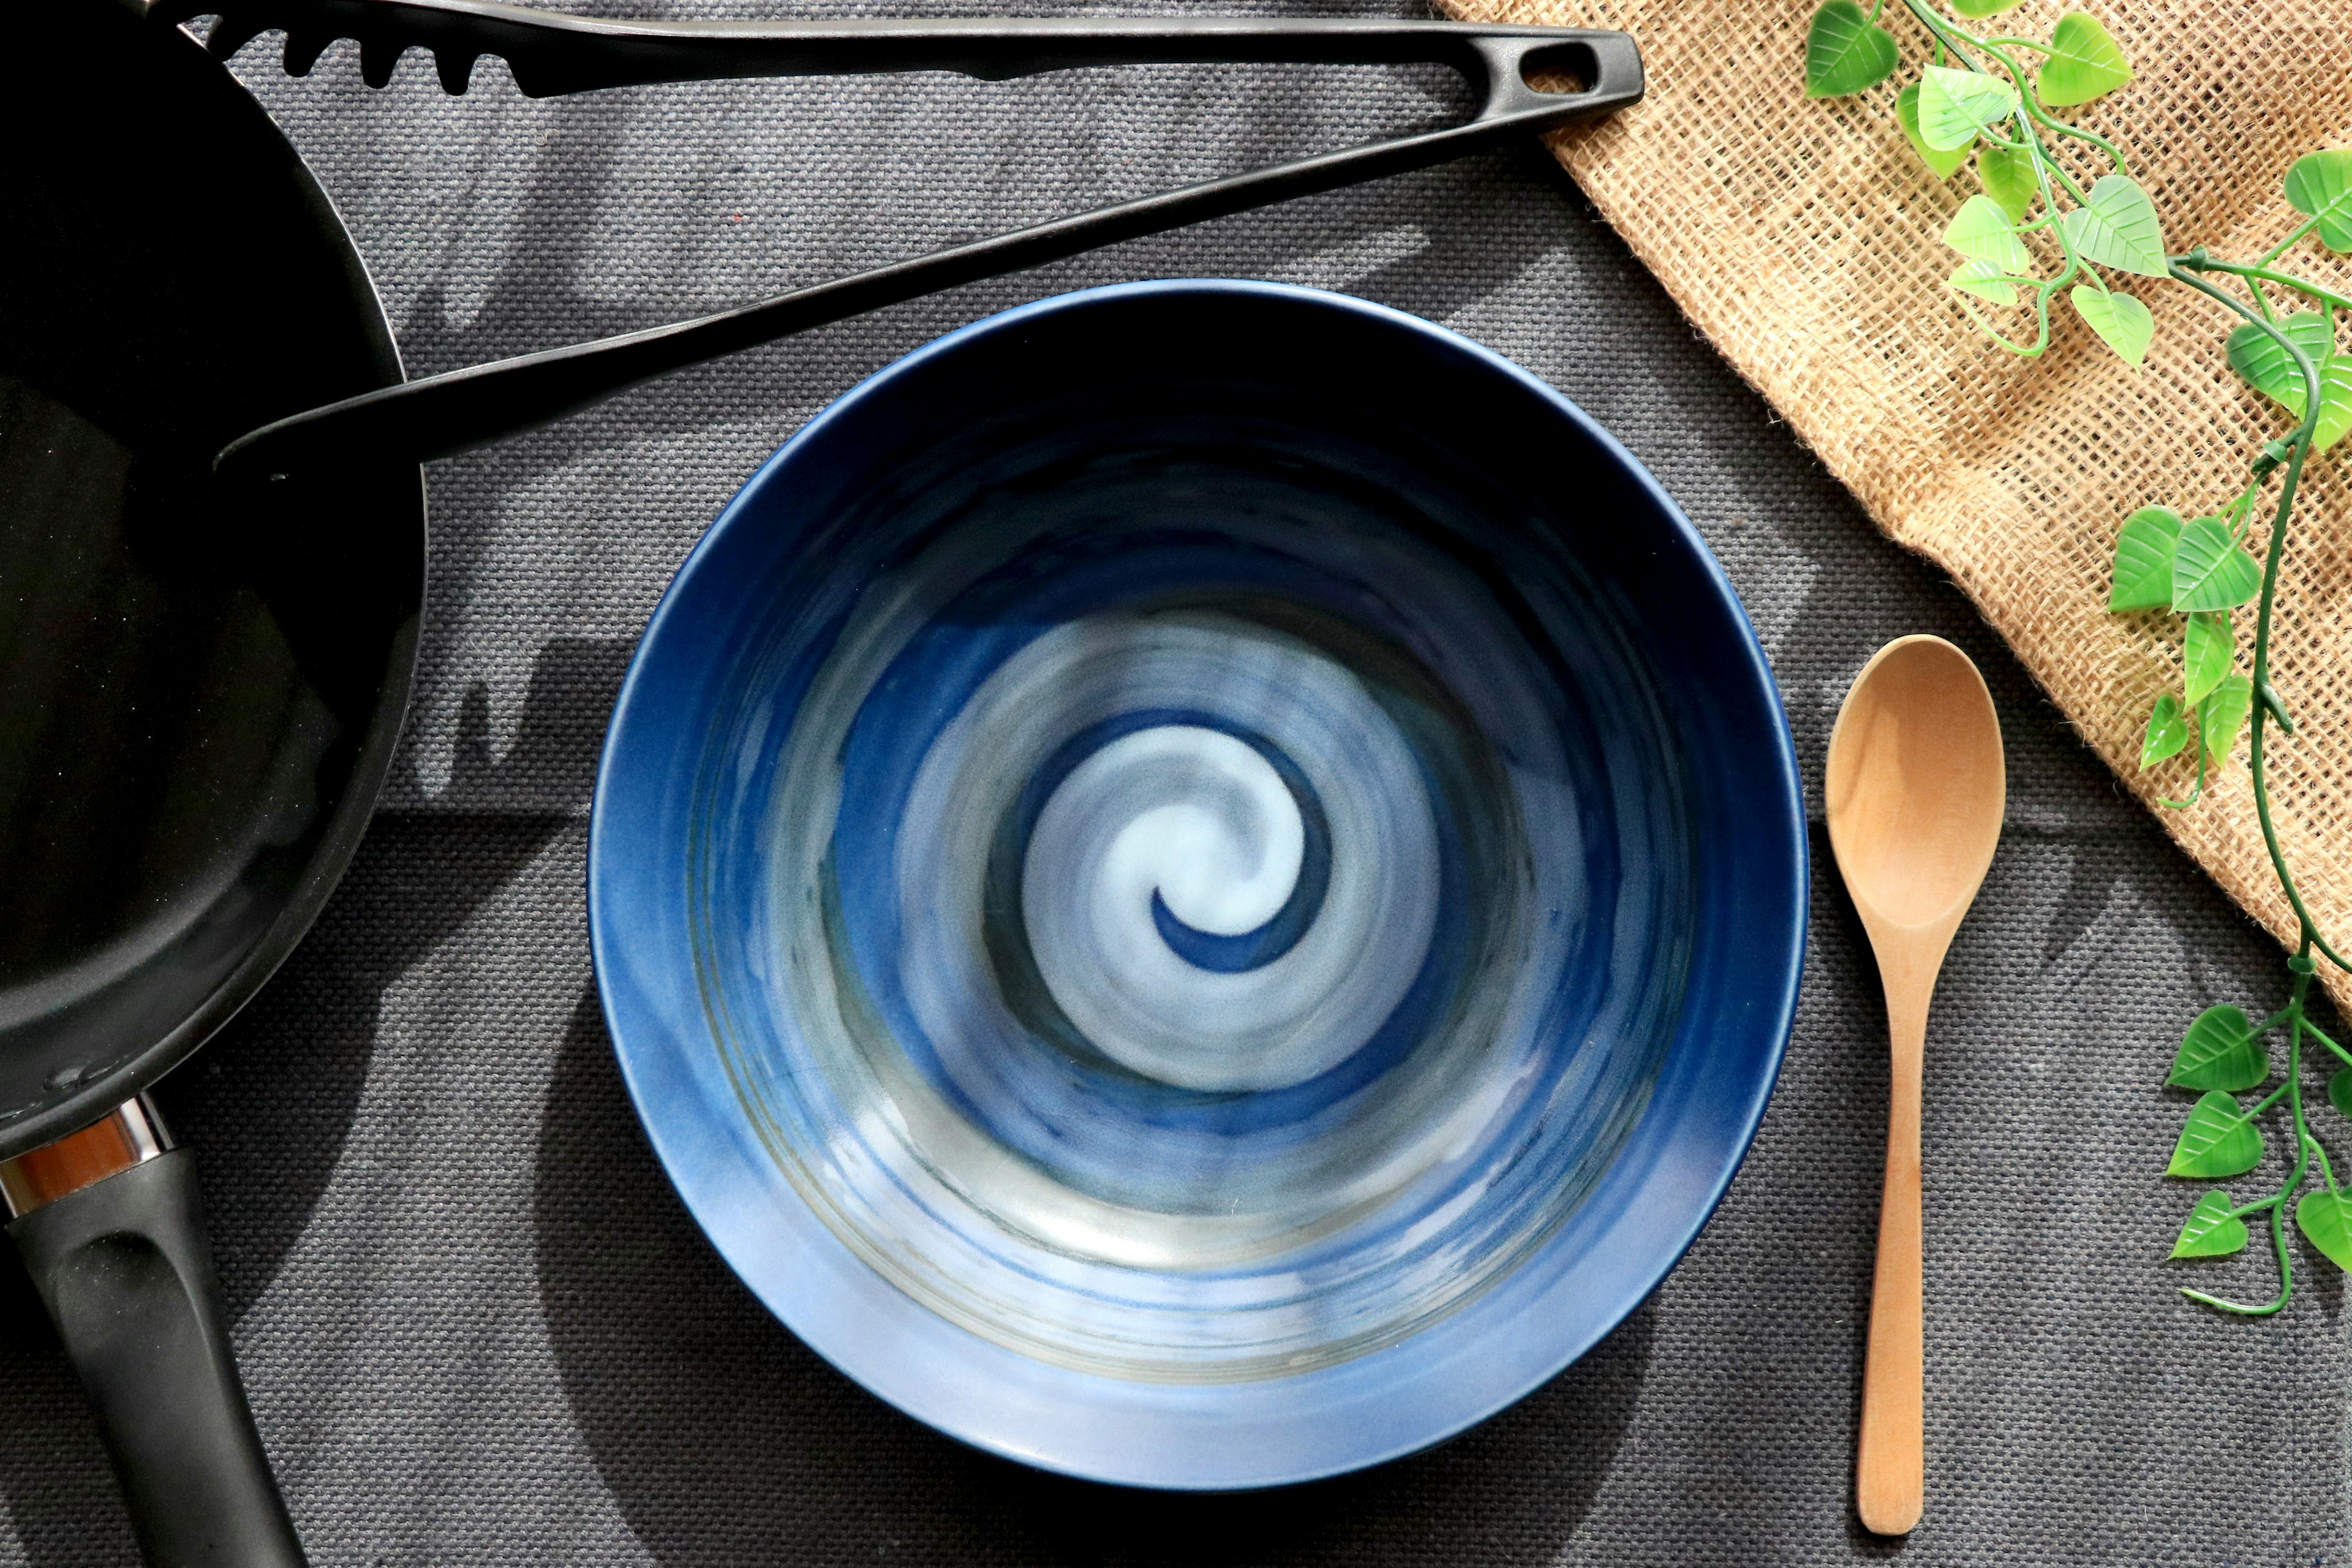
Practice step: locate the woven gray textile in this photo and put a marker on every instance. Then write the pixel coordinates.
(478, 1329)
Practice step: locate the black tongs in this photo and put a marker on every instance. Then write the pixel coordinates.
(550, 53)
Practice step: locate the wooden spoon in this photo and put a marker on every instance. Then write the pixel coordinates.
(1917, 786)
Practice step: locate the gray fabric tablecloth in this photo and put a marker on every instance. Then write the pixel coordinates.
(477, 1326)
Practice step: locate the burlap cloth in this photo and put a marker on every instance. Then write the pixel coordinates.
(1804, 239)
(477, 1327)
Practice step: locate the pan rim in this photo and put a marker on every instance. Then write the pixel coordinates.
(96, 1094)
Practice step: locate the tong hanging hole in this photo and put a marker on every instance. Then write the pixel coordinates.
(1568, 68)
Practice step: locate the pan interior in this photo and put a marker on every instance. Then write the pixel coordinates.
(197, 689)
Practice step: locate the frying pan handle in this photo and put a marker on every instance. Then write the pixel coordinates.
(462, 409)
(127, 1275)
(551, 52)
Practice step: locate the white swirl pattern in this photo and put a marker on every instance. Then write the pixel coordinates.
(1199, 948)
(1197, 818)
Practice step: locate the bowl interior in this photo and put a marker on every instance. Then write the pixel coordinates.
(1161, 876)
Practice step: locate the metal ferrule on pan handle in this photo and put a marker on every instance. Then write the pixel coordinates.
(131, 1134)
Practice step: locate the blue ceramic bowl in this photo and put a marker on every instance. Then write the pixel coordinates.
(1200, 884)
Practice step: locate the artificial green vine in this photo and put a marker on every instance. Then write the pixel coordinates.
(1976, 98)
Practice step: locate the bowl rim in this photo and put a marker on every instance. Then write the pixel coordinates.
(1042, 1415)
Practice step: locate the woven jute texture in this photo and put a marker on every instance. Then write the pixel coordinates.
(479, 1330)
(1804, 239)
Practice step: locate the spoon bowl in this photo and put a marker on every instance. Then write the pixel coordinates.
(1915, 784)
(1916, 788)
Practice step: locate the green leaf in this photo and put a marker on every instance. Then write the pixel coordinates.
(1906, 110)
(2117, 227)
(1986, 280)
(1845, 52)
(2320, 187)
(2084, 61)
(2121, 322)
(1953, 103)
(2167, 731)
(2220, 1051)
(2212, 1231)
(2206, 656)
(2335, 401)
(2216, 1142)
(2209, 571)
(2007, 176)
(1984, 8)
(2325, 1220)
(1981, 232)
(2221, 715)
(2266, 366)
(2144, 560)
(2339, 1091)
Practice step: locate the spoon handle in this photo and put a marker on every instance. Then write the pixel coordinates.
(1890, 1481)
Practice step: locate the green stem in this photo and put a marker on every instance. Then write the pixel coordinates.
(2197, 262)
(2115, 154)
(2303, 1138)
(2044, 168)
(2196, 790)
(2277, 1303)
(2033, 349)
(2320, 1037)
(2275, 705)
(2031, 119)
(2026, 112)
(2298, 451)
(2304, 1146)
(2272, 1098)
(2275, 251)
(1948, 37)
(2241, 510)
(2029, 105)
(2042, 161)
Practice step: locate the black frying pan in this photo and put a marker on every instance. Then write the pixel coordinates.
(197, 706)
(209, 598)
